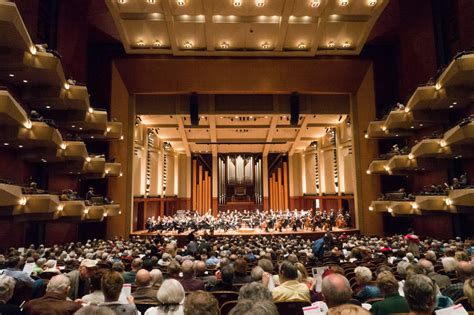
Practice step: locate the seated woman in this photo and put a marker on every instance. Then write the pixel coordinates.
(393, 302)
(366, 291)
(171, 296)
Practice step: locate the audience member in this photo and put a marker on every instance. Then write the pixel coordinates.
(365, 291)
(7, 286)
(441, 280)
(54, 302)
(112, 283)
(240, 272)
(392, 302)
(80, 279)
(96, 296)
(227, 277)
(201, 303)
(144, 293)
(469, 291)
(255, 291)
(290, 289)
(156, 278)
(171, 296)
(189, 281)
(94, 310)
(250, 307)
(464, 271)
(337, 294)
(420, 292)
(14, 271)
(129, 276)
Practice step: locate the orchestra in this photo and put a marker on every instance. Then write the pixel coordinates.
(268, 221)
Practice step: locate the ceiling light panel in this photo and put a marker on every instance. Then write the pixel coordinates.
(355, 7)
(232, 33)
(149, 32)
(297, 34)
(304, 8)
(192, 33)
(341, 33)
(191, 7)
(262, 33)
(249, 7)
(134, 6)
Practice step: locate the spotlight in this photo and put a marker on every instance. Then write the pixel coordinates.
(25, 81)
(384, 128)
(368, 172)
(414, 205)
(366, 136)
(315, 3)
(224, 45)
(157, 43)
(151, 1)
(372, 3)
(181, 2)
(22, 201)
(331, 44)
(371, 208)
(91, 110)
(448, 202)
(187, 45)
(346, 44)
(390, 210)
(442, 143)
(66, 86)
(438, 86)
(260, 3)
(237, 3)
(410, 156)
(343, 3)
(11, 75)
(301, 46)
(88, 159)
(63, 146)
(33, 50)
(265, 45)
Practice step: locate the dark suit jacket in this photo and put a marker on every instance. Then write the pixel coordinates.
(51, 303)
(145, 295)
(391, 304)
(192, 284)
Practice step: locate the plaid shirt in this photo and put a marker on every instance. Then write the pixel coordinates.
(454, 291)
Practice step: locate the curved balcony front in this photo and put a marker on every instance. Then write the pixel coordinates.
(11, 112)
(70, 209)
(459, 73)
(377, 167)
(93, 213)
(461, 197)
(460, 135)
(58, 98)
(378, 129)
(112, 210)
(10, 195)
(380, 205)
(400, 119)
(434, 203)
(113, 169)
(403, 208)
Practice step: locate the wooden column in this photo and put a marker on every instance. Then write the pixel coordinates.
(199, 189)
(285, 184)
(279, 191)
(205, 194)
(194, 185)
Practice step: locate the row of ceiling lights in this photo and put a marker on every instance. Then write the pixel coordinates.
(264, 45)
(261, 3)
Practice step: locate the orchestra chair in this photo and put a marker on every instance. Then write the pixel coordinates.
(227, 307)
(293, 308)
(225, 296)
(142, 308)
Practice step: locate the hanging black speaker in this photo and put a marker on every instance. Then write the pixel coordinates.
(194, 109)
(294, 108)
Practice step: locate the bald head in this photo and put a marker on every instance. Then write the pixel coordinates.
(464, 270)
(200, 267)
(336, 289)
(187, 268)
(143, 278)
(426, 265)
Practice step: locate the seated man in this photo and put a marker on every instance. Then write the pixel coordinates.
(13, 271)
(7, 286)
(337, 293)
(112, 283)
(201, 303)
(55, 301)
(189, 281)
(393, 302)
(227, 277)
(129, 276)
(290, 289)
(441, 280)
(420, 292)
(144, 293)
(464, 271)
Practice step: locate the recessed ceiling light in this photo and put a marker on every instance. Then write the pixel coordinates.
(372, 3)
(11, 75)
(43, 160)
(343, 3)
(121, 1)
(331, 44)
(91, 110)
(157, 43)
(260, 3)
(48, 107)
(265, 45)
(73, 126)
(451, 106)
(66, 86)
(455, 103)
(80, 128)
(301, 46)
(237, 3)
(6, 143)
(315, 3)
(438, 86)
(151, 1)
(25, 81)
(20, 146)
(188, 45)
(181, 2)
(421, 125)
(346, 44)
(224, 45)
(140, 43)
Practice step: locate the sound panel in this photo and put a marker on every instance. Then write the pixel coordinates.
(294, 108)
(194, 109)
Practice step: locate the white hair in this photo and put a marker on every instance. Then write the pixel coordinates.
(171, 292)
(7, 286)
(59, 283)
(449, 264)
(363, 274)
(156, 277)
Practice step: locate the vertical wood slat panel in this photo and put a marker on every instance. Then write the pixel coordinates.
(279, 194)
(200, 189)
(194, 190)
(285, 185)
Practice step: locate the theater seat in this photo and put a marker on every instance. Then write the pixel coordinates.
(227, 307)
(465, 303)
(143, 307)
(225, 296)
(293, 308)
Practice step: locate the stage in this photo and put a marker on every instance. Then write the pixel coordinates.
(182, 237)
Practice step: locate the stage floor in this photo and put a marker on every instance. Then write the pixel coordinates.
(248, 233)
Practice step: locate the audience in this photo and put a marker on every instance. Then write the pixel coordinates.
(464, 271)
(189, 281)
(250, 307)
(441, 280)
(420, 292)
(96, 296)
(80, 279)
(54, 302)
(129, 276)
(290, 289)
(7, 286)
(144, 293)
(365, 291)
(171, 297)
(201, 303)
(227, 278)
(337, 294)
(112, 283)
(392, 302)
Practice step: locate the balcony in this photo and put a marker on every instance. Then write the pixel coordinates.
(402, 208)
(400, 119)
(429, 98)
(11, 113)
(93, 213)
(461, 197)
(19, 59)
(71, 209)
(460, 135)
(377, 129)
(10, 196)
(39, 135)
(380, 205)
(459, 73)
(377, 167)
(434, 203)
(112, 210)
(74, 98)
(113, 169)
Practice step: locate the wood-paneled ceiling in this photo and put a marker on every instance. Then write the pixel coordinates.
(245, 27)
(238, 133)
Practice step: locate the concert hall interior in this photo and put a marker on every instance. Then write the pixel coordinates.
(335, 112)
